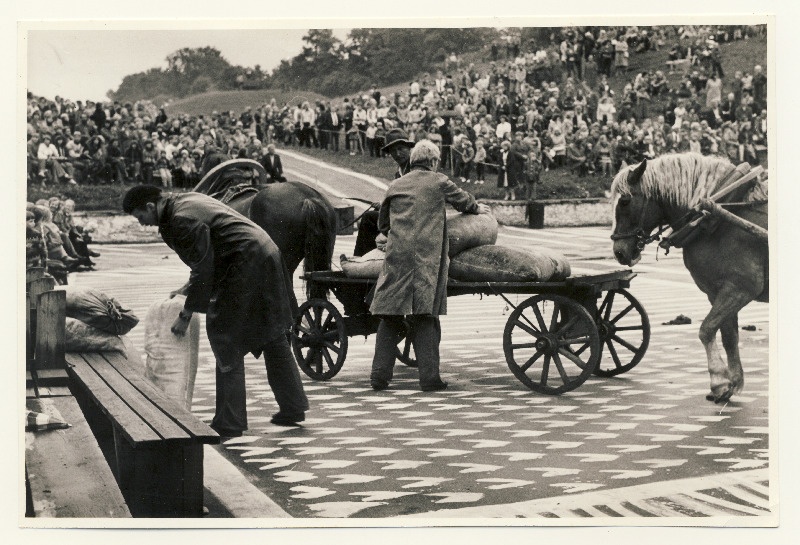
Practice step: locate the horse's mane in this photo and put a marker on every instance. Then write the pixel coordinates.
(681, 179)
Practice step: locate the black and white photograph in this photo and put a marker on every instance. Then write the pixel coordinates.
(369, 273)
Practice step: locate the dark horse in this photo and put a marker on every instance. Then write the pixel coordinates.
(299, 219)
(729, 264)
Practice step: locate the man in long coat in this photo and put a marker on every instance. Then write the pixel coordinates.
(413, 283)
(239, 279)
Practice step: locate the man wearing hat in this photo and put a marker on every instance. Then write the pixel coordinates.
(399, 147)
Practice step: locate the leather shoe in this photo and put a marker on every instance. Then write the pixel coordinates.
(284, 419)
(222, 432)
(92, 253)
(378, 385)
(435, 387)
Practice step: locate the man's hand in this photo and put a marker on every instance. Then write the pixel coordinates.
(484, 209)
(181, 324)
(380, 242)
(179, 291)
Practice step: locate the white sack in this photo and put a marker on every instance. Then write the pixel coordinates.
(171, 360)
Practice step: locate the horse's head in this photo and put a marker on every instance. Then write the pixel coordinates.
(635, 215)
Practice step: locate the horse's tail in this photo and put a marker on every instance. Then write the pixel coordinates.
(320, 237)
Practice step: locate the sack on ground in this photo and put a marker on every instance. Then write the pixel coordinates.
(368, 265)
(97, 309)
(171, 360)
(465, 231)
(82, 337)
(492, 263)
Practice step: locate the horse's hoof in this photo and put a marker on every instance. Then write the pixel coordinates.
(722, 397)
(725, 398)
(720, 394)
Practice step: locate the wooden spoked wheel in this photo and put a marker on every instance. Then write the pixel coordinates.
(551, 344)
(624, 331)
(319, 339)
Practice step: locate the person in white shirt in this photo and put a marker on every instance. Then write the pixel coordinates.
(413, 89)
(439, 82)
(503, 128)
(307, 118)
(360, 122)
(48, 158)
(172, 148)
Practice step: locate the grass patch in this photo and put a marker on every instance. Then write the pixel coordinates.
(86, 197)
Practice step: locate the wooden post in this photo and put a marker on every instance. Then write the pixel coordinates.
(34, 273)
(50, 334)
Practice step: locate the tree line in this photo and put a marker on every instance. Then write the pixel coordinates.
(326, 64)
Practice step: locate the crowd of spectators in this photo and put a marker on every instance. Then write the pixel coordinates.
(53, 241)
(550, 105)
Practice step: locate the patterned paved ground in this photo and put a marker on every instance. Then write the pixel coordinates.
(487, 440)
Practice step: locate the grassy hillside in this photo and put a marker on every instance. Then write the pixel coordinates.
(235, 100)
(740, 55)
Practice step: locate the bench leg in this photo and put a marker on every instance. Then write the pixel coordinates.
(101, 427)
(161, 481)
(29, 512)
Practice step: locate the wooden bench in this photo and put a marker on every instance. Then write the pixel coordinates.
(153, 445)
(66, 474)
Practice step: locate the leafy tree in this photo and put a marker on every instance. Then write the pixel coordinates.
(325, 64)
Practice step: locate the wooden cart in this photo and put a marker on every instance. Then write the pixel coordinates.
(552, 341)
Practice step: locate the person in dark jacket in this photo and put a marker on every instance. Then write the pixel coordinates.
(271, 162)
(239, 279)
(99, 116)
(510, 169)
(399, 147)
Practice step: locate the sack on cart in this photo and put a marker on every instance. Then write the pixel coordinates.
(492, 263)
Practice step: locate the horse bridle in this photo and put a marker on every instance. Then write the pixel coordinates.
(642, 238)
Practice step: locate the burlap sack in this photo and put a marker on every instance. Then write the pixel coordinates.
(97, 309)
(82, 337)
(368, 265)
(466, 231)
(492, 263)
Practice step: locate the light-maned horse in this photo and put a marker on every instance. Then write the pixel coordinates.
(300, 220)
(729, 264)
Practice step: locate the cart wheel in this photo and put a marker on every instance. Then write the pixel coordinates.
(319, 339)
(405, 350)
(546, 341)
(624, 329)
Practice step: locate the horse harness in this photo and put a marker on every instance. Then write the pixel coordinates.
(642, 238)
(684, 230)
